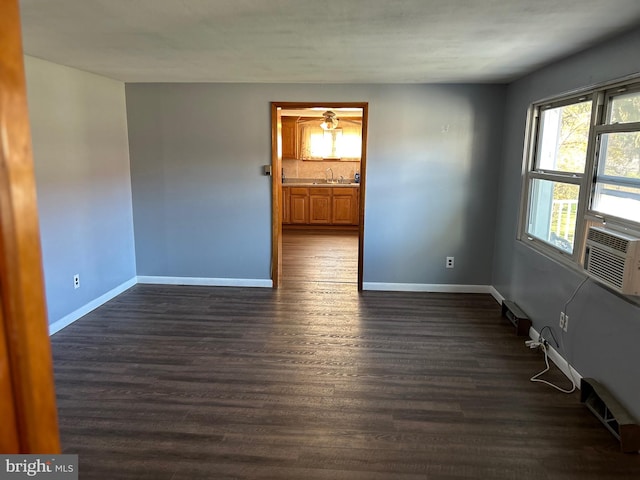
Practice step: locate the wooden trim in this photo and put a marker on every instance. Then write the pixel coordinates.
(276, 165)
(25, 330)
(276, 195)
(363, 184)
(304, 105)
(9, 439)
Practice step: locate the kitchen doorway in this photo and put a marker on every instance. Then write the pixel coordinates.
(318, 179)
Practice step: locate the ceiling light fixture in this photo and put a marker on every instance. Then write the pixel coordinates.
(330, 121)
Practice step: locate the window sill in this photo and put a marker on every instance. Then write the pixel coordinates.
(552, 254)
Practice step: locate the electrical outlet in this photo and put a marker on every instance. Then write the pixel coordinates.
(76, 281)
(563, 320)
(450, 262)
(566, 323)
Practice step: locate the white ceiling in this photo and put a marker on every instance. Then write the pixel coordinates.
(317, 41)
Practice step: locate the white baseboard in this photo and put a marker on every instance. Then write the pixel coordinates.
(425, 287)
(218, 282)
(92, 305)
(569, 372)
(496, 294)
(204, 281)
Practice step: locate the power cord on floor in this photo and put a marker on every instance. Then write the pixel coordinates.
(544, 345)
(536, 378)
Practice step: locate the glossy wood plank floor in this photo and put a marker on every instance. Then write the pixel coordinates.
(316, 381)
(327, 256)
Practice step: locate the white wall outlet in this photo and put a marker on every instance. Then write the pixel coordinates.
(450, 262)
(76, 281)
(562, 320)
(566, 323)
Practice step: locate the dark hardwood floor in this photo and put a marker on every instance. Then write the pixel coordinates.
(316, 381)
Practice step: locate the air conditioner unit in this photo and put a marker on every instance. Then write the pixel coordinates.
(613, 258)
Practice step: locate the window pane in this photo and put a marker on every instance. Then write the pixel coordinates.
(625, 108)
(336, 143)
(620, 155)
(563, 138)
(620, 201)
(319, 147)
(553, 212)
(349, 145)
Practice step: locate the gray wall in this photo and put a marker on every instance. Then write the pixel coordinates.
(202, 207)
(79, 131)
(604, 329)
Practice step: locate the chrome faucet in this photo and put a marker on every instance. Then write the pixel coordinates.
(326, 176)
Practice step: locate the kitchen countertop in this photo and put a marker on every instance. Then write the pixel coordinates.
(310, 182)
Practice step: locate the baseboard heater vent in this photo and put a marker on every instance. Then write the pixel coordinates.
(613, 415)
(517, 317)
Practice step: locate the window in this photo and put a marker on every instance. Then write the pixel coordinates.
(343, 143)
(557, 171)
(583, 166)
(617, 186)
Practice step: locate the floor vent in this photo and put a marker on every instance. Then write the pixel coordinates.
(613, 415)
(517, 317)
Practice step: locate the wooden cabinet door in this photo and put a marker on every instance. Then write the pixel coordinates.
(289, 137)
(286, 205)
(299, 201)
(344, 206)
(320, 206)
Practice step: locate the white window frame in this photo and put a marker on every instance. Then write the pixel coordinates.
(601, 128)
(601, 96)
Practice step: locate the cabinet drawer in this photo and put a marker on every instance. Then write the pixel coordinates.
(320, 190)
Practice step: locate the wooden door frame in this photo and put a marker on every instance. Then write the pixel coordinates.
(276, 181)
(27, 395)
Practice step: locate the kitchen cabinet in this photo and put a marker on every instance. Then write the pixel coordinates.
(299, 205)
(289, 138)
(320, 205)
(345, 206)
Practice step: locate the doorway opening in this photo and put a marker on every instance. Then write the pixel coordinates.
(318, 189)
